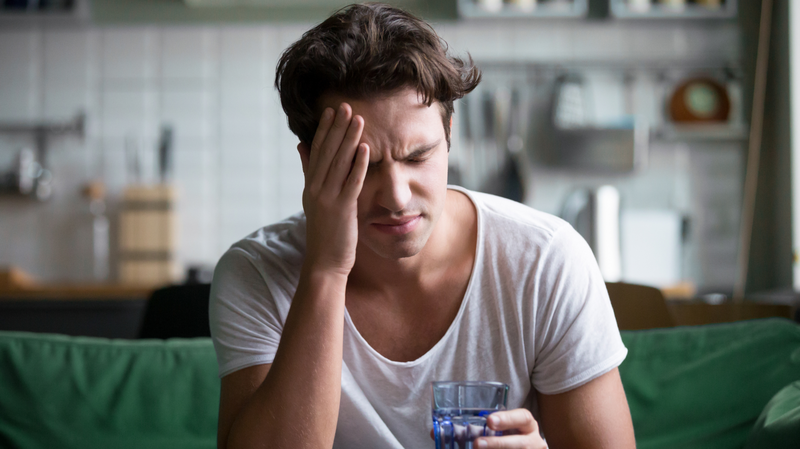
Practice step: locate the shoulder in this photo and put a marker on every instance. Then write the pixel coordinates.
(269, 257)
(282, 243)
(505, 220)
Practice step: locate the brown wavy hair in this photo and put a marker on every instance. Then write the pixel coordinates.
(368, 50)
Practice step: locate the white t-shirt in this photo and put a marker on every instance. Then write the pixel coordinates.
(535, 315)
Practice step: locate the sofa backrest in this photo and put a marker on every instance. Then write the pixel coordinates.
(705, 386)
(83, 392)
(688, 387)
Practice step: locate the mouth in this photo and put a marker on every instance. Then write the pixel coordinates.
(399, 226)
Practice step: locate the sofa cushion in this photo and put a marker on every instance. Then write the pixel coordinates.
(84, 392)
(705, 386)
(778, 427)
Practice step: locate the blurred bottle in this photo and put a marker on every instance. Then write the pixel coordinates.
(95, 192)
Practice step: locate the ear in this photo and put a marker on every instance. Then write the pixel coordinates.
(305, 155)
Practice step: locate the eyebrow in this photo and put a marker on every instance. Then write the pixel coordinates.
(423, 149)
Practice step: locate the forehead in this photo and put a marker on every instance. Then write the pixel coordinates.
(400, 118)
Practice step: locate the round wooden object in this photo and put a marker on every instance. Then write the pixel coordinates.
(700, 100)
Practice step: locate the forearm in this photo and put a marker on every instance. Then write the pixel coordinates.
(297, 405)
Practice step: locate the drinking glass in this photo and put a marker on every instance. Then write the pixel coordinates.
(460, 410)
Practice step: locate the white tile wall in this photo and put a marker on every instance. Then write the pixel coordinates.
(191, 111)
(20, 75)
(235, 160)
(189, 53)
(70, 74)
(130, 53)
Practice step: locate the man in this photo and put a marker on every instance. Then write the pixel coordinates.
(329, 326)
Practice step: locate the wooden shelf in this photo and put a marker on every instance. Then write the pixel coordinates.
(621, 10)
(701, 132)
(543, 9)
(77, 14)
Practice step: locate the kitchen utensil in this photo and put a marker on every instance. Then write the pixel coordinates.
(566, 140)
(133, 160)
(506, 179)
(570, 107)
(467, 143)
(165, 153)
(594, 213)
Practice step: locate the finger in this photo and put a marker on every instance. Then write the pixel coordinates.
(330, 145)
(304, 151)
(325, 123)
(520, 419)
(355, 181)
(342, 163)
(508, 441)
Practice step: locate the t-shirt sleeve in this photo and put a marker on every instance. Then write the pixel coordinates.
(577, 338)
(246, 315)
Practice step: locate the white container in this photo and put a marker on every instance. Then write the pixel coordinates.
(492, 6)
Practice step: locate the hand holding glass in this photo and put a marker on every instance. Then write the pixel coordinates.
(460, 410)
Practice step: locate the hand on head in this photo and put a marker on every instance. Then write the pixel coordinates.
(334, 166)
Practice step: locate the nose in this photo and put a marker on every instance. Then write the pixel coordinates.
(394, 190)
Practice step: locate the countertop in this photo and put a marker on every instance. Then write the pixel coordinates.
(77, 291)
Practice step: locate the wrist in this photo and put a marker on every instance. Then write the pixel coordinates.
(315, 277)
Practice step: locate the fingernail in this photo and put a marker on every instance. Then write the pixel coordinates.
(482, 443)
(327, 114)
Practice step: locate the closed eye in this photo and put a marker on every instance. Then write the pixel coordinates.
(422, 154)
(417, 156)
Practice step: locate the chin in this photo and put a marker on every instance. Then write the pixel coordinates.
(396, 247)
(399, 250)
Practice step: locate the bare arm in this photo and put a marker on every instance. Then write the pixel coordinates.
(594, 415)
(294, 402)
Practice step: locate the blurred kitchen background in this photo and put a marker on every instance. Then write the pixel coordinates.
(140, 139)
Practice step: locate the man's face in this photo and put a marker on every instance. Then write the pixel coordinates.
(406, 184)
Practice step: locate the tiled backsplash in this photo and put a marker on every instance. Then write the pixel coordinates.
(235, 160)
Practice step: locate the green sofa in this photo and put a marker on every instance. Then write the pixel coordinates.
(718, 386)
